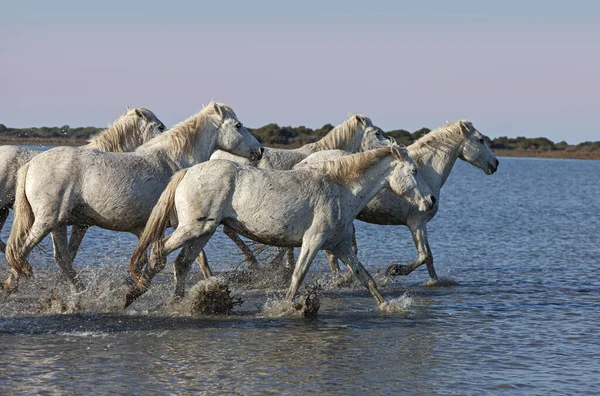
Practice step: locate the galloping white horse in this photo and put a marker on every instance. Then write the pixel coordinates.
(356, 134)
(133, 128)
(312, 207)
(114, 191)
(435, 155)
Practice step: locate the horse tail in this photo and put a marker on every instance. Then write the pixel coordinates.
(23, 220)
(157, 224)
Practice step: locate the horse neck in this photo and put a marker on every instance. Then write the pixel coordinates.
(435, 161)
(115, 139)
(176, 151)
(343, 137)
(369, 183)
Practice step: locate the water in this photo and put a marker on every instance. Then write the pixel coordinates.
(522, 244)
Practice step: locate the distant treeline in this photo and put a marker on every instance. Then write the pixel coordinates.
(287, 136)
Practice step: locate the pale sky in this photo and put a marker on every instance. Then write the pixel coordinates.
(514, 68)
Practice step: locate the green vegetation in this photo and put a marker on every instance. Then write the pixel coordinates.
(287, 136)
(62, 132)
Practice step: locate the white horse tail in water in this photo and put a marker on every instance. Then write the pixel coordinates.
(157, 224)
(23, 220)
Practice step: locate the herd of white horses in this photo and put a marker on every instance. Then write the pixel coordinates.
(208, 171)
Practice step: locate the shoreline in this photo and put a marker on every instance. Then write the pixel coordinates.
(556, 154)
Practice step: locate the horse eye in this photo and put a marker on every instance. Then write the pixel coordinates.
(238, 125)
(481, 140)
(377, 133)
(162, 127)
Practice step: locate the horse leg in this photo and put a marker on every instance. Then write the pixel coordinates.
(250, 257)
(419, 235)
(289, 263)
(333, 263)
(183, 264)
(77, 234)
(183, 235)
(39, 230)
(310, 248)
(354, 245)
(62, 256)
(278, 259)
(3, 216)
(346, 254)
(332, 259)
(203, 262)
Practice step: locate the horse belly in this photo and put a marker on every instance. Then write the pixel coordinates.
(270, 221)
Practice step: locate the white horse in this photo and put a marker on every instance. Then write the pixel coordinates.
(312, 207)
(435, 155)
(356, 134)
(66, 186)
(133, 128)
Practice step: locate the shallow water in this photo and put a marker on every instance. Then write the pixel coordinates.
(522, 246)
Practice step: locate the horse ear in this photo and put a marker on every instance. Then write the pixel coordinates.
(139, 113)
(350, 115)
(127, 107)
(464, 127)
(399, 151)
(218, 110)
(361, 119)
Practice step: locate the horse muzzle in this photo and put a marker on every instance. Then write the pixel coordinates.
(256, 155)
(430, 202)
(493, 167)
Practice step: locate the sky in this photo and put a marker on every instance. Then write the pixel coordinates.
(513, 68)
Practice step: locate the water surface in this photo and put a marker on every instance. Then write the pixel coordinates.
(522, 245)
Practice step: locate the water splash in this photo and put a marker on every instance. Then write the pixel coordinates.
(308, 305)
(400, 304)
(440, 282)
(208, 297)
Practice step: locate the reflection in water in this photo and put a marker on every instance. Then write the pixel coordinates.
(522, 246)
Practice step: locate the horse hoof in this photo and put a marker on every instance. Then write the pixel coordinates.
(8, 289)
(133, 295)
(128, 282)
(397, 270)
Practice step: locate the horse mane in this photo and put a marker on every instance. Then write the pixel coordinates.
(349, 167)
(122, 135)
(441, 138)
(180, 139)
(340, 137)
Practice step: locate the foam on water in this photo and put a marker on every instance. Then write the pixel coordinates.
(308, 305)
(400, 304)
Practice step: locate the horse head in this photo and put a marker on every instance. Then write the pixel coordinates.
(406, 181)
(233, 136)
(475, 150)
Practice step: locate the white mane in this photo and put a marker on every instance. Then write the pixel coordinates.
(341, 137)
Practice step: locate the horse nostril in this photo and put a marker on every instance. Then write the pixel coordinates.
(432, 200)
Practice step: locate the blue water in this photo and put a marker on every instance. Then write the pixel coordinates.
(522, 244)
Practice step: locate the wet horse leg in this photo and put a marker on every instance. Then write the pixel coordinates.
(183, 264)
(332, 259)
(192, 235)
(419, 235)
(3, 216)
(77, 234)
(310, 247)
(202, 260)
(39, 230)
(250, 257)
(62, 256)
(349, 258)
